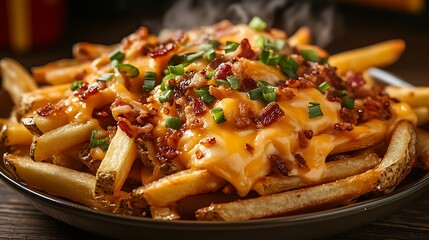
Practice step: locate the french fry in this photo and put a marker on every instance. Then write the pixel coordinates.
(422, 114)
(172, 188)
(335, 170)
(164, 213)
(16, 79)
(62, 138)
(422, 149)
(56, 180)
(48, 123)
(14, 133)
(301, 36)
(415, 96)
(39, 73)
(376, 55)
(116, 165)
(91, 51)
(65, 74)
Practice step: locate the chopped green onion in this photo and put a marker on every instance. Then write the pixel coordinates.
(233, 81)
(309, 55)
(205, 95)
(269, 92)
(194, 56)
(231, 46)
(211, 44)
(128, 70)
(274, 59)
(217, 114)
(76, 84)
(105, 77)
(165, 79)
(255, 94)
(93, 143)
(289, 66)
(173, 122)
(210, 54)
(324, 60)
(149, 81)
(177, 69)
(264, 56)
(258, 24)
(210, 75)
(175, 60)
(341, 93)
(279, 44)
(222, 82)
(348, 102)
(165, 96)
(323, 87)
(314, 110)
(117, 55)
(260, 41)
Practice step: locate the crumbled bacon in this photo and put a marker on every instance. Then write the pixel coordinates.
(246, 49)
(198, 106)
(342, 126)
(301, 162)
(224, 70)
(286, 93)
(167, 146)
(349, 115)
(104, 116)
(303, 137)
(377, 109)
(354, 80)
(247, 84)
(220, 92)
(279, 164)
(208, 141)
(47, 110)
(84, 92)
(162, 49)
(268, 115)
(245, 114)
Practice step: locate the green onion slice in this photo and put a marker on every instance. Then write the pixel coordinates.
(348, 102)
(98, 142)
(210, 54)
(194, 56)
(323, 87)
(128, 70)
(233, 82)
(309, 55)
(222, 82)
(149, 81)
(210, 75)
(255, 94)
(231, 46)
(314, 110)
(165, 96)
(177, 69)
(117, 55)
(204, 94)
(105, 77)
(217, 114)
(173, 122)
(289, 66)
(76, 84)
(258, 24)
(279, 44)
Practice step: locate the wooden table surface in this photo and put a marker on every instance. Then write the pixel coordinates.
(19, 220)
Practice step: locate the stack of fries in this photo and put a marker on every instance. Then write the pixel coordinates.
(259, 123)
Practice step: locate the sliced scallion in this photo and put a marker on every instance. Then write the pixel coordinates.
(177, 69)
(221, 82)
(314, 110)
(210, 75)
(231, 46)
(117, 55)
(93, 143)
(194, 56)
(105, 77)
(173, 122)
(149, 81)
(76, 84)
(205, 95)
(258, 24)
(309, 55)
(348, 102)
(233, 82)
(289, 66)
(210, 54)
(128, 70)
(255, 94)
(217, 114)
(165, 96)
(323, 87)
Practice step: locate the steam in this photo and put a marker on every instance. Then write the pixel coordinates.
(289, 15)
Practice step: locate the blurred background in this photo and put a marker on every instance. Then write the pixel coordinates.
(35, 32)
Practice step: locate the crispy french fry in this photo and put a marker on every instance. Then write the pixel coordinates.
(301, 36)
(56, 180)
(172, 188)
(64, 160)
(422, 114)
(116, 165)
(39, 73)
(335, 170)
(13, 133)
(422, 149)
(415, 96)
(164, 213)
(377, 55)
(91, 51)
(65, 74)
(59, 139)
(48, 123)
(16, 79)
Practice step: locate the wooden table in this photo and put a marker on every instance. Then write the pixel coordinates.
(19, 220)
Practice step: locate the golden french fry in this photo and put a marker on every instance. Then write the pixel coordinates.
(172, 188)
(415, 96)
(59, 139)
(301, 36)
(422, 114)
(51, 122)
(14, 133)
(16, 79)
(116, 165)
(65, 74)
(91, 51)
(377, 55)
(39, 73)
(335, 170)
(164, 213)
(59, 181)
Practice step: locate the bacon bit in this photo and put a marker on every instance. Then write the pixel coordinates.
(342, 126)
(224, 70)
(377, 109)
(247, 84)
(208, 141)
(104, 116)
(167, 146)
(349, 115)
(244, 118)
(220, 92)
(199, 154)
(198, 106)
(301, 162)
(162, 49)
(216, 62)
(354, 80)
(249, 148)
(84, 92)
(268, 115)
(279, 163)
(293, 83)
(246, 49)
(47, 110)
(303, 137)
(182, 87)
(286, 93)
(126, 126)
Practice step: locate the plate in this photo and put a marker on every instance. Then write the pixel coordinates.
(318, 224)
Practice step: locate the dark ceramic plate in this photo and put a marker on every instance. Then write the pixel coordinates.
(302, 226)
